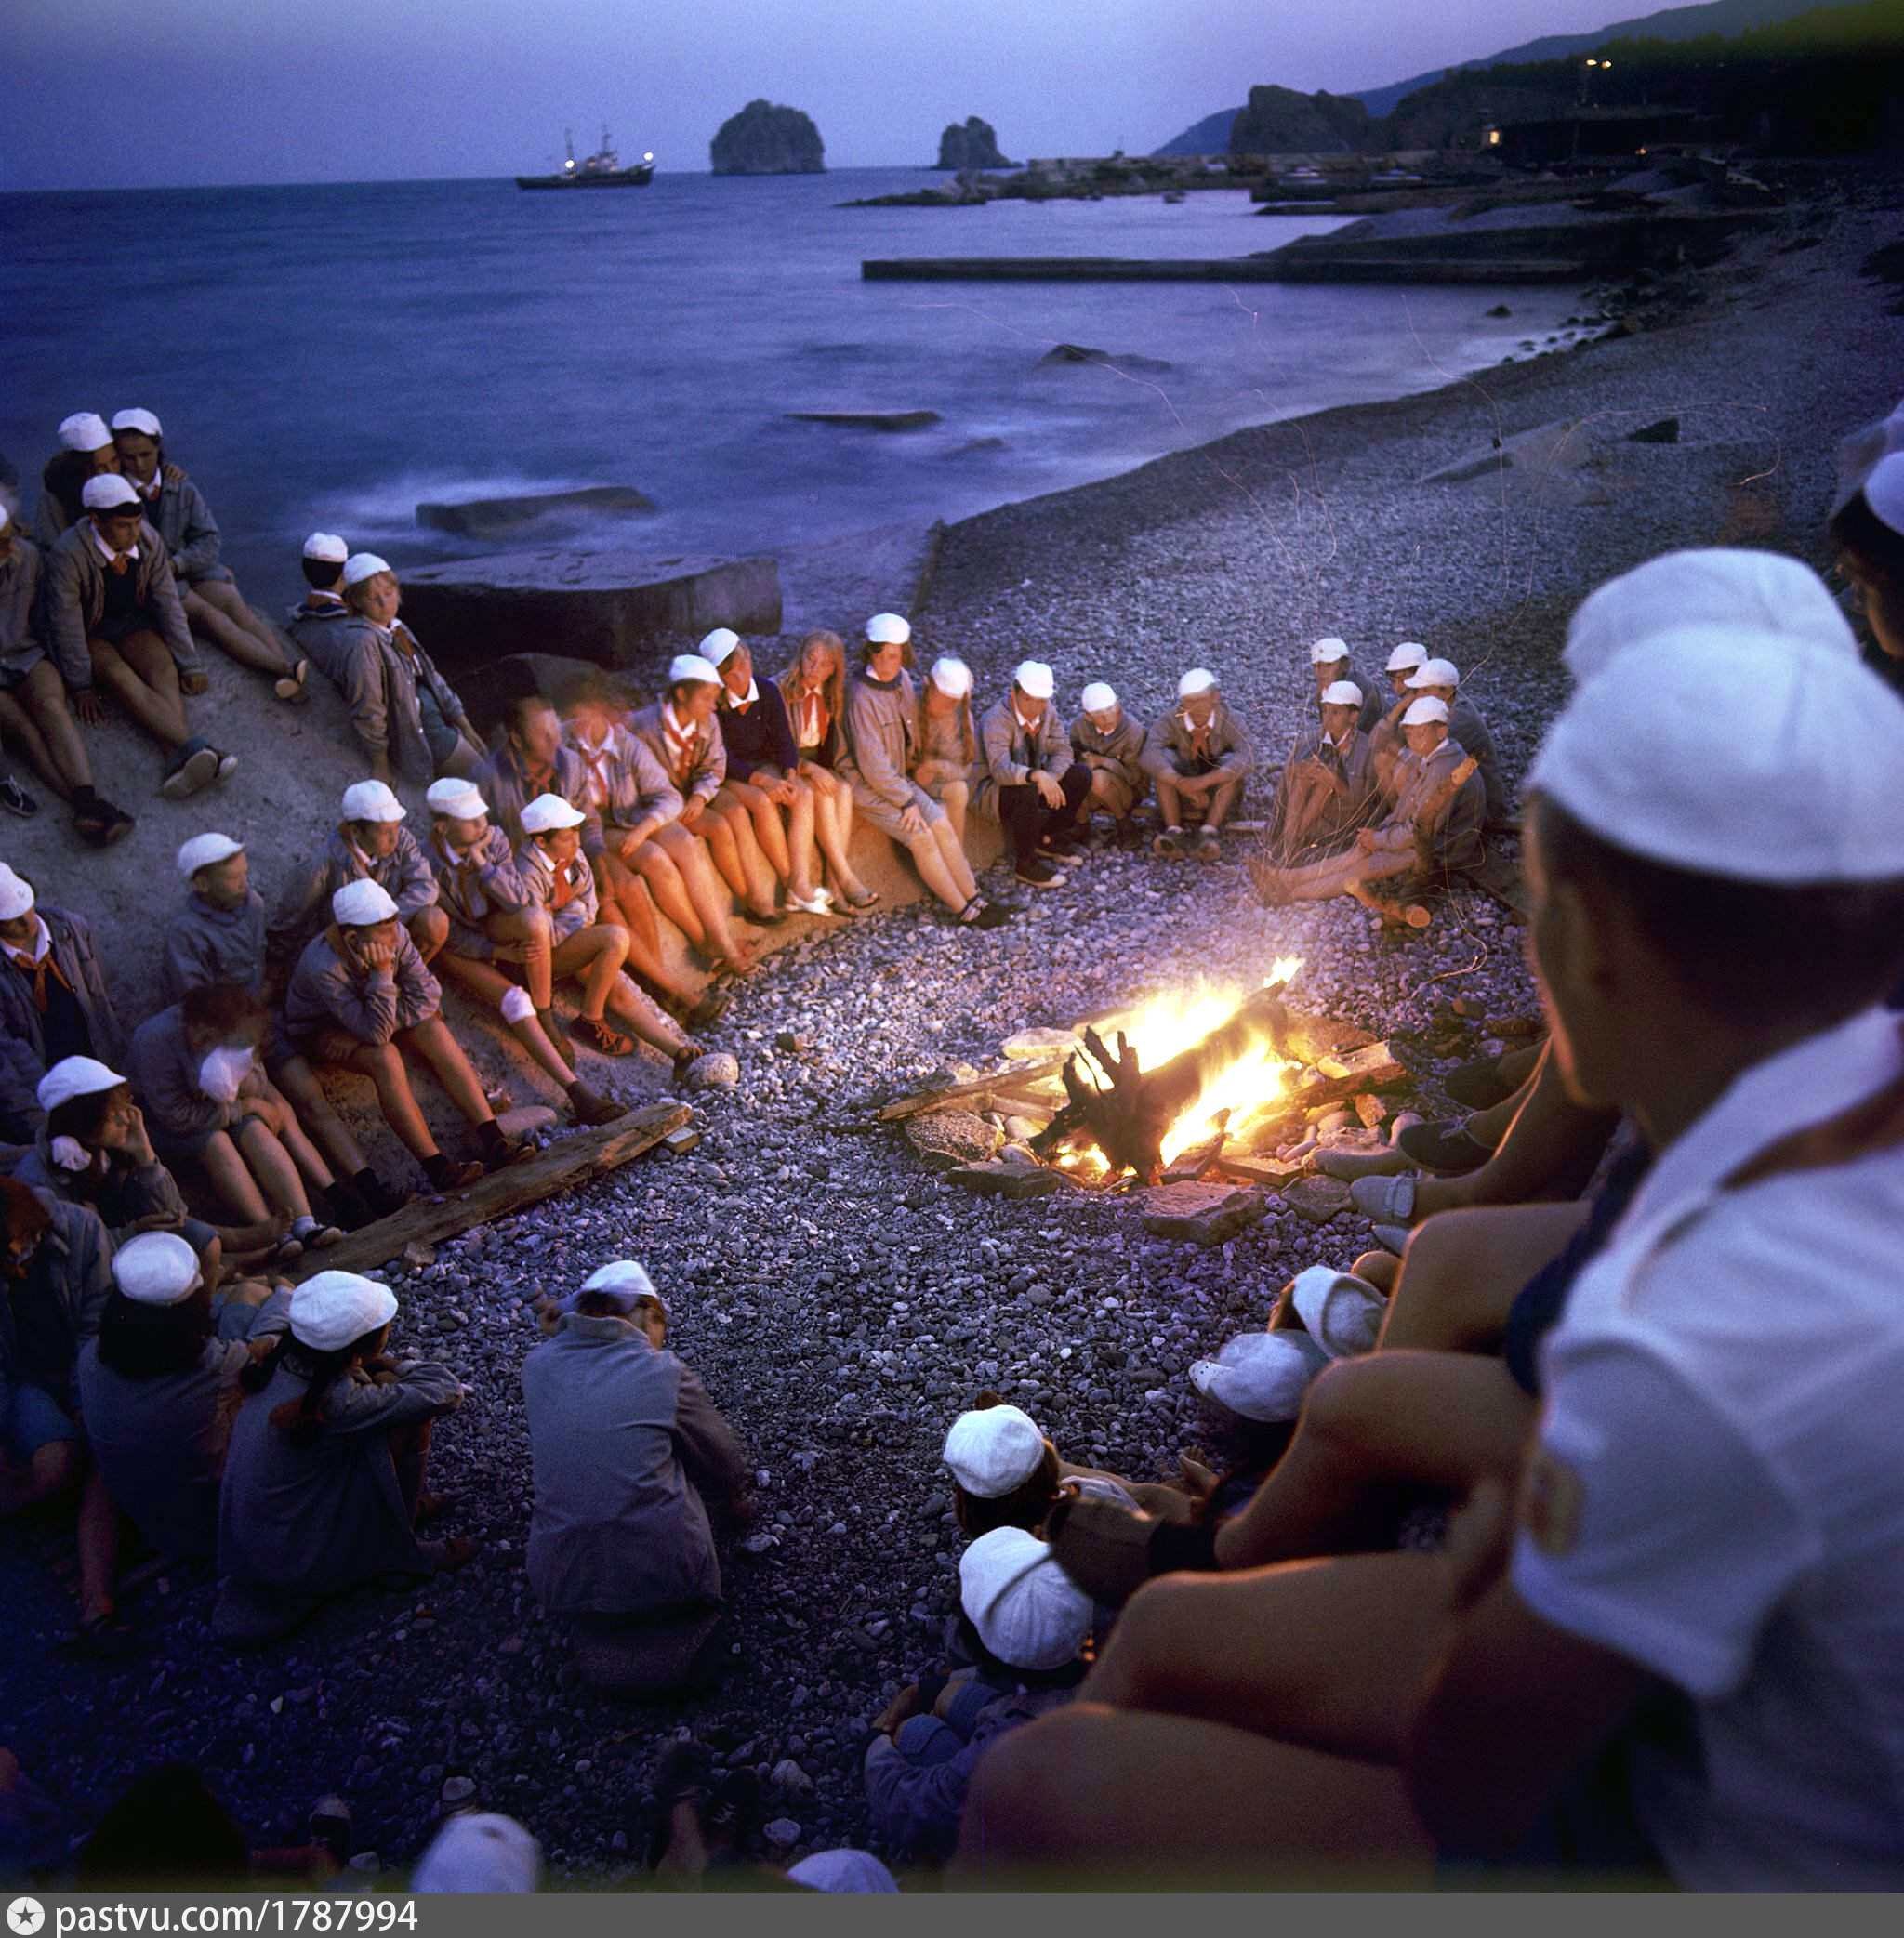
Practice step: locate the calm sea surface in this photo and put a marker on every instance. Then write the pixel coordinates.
(327, 356)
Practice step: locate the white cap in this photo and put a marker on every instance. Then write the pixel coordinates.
(206, 851)
(361, 904)
(327, 546)
(1342, 692)
(1028, 1611)
(626, 1279)
(16, 895)
(548, 811)
(107, 492)
(1033, 677)
(1884, 491)
(843, 1871)
(84, 430)
(75, 1076)
(952, 677)
(718, 647)
(371, 800)
(479, 1850)
(1861, 453)
(1406, 657)
(691, 665)
(1425, 711)
(359, 566)
(156, 1268)
(993, 1449)
(1098, 697)
(5, 516)
(330, 1309)
(1325, 652)
(137, 420)
(1736, 754)
(1198, 679)
(887, 629)
(1436, 672)
(1711, 586)
(1261, 1376)
(1342, 1312)
(461, 800)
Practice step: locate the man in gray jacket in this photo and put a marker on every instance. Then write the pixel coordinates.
(628, 1455)
(1033, 784)
(1198, 759)
(110, 607)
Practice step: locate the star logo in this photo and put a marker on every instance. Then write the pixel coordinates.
(25, 1916)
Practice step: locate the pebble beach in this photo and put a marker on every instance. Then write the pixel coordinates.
(842, 1303)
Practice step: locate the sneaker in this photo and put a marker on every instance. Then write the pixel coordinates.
(1446, 1148)
(228, 764)
(1208, 848)
(17, 800)
(993, 915)
(193, 767)
(1387, 1200)
(1039, 874)
(313, 1236)
(591, 1107)
(1349, 1165)
(1170, 841)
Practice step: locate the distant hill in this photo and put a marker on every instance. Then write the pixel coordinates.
(1211, 135)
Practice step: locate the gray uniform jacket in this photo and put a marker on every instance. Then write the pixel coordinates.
(327, 993)
(121, 1193)
(1009, 759)
(318, 628)
(626, 783)
(1469, 731)
(1122, 747)
(206, 944)
(509, 790)
(942, 738)
(882, 737)
(44, 1324)
(384, 686)
(186, 523)
(1166, 747)
(1445, 833)
(707, 771)
(1376, 697)
(487, 884)
(161, 1442)
(305, 907)
(73, 601)
(21, 1069)
(164, 1073)
(581, 907)
(625, 1443)
(22, 646)
(315, 1519)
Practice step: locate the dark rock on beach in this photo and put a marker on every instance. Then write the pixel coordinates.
(496, 518)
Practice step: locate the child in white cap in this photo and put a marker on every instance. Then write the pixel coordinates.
(86, 451)
(882, 741)
(325, 1479)
(1111, 744)
(110, 610)
(53, 1001)
(1033, 784)
(175, 508)
(1199, 760)
(814, 690)
(947, 767)
(409, 719)
(359, 998)
(157, 1385)
(315, 623)
(1328, 790)
(1329, 661)
(34, 713)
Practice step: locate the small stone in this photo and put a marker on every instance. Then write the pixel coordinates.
(1034, 1045)
(531, 1116)
(458, 1790)
(1318, 1199)
(418, 1256)
(1202, 1214)
(1005, 1181)
(944, 1138)
(789, 1777)
(716, 1070)
(783, 1833)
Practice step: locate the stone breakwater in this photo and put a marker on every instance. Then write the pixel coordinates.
(841, 1303)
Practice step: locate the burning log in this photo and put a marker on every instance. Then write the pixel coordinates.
(954, 1095)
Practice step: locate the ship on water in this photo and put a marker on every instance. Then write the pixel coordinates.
(600, 170)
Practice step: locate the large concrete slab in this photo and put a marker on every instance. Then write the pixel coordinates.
(616, 608)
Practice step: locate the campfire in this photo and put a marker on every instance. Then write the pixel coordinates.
(1212, 1079)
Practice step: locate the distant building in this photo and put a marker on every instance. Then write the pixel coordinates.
(1588, 134)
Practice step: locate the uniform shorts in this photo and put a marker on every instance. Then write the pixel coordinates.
(884, 816)
(31, 1418)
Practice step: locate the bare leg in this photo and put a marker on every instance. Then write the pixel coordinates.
(225, 596)
(97, 1535)
(234, 641)
(953, 852)
(429, 929)
(1170, 801)
(1549, 1151)
(271, 1164)
(625, 898)
(1370, 1426)
(723, 848)
(489, 984)
(770, 833)
(668, 892)
(20, 727)
(233, 1180)
(757, 896)
(528, 928)
(593, 956)
(832, 830)
(299, 1081)
(694, 859)
(640, 1018)
(383, 1064)
(161, 713)
(955, 796)
(802, 858)
(1220, 803)
(433, 1042)
(44, 694)
(1464, 1270)
(50, 1468)
(311, 1167)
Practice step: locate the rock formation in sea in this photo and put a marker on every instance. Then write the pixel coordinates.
(1280, 121)
(766, 140)
(973, 146)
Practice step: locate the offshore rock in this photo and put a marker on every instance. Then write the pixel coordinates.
(496, 518)
(973, 146)
(766, 140)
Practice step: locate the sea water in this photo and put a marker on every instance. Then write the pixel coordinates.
(326, 357)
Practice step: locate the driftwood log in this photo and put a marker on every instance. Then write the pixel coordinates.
(953, 1095)
(568, 1162)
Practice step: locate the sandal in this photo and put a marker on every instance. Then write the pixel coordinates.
(194, 767)
(685, 1058)
(595, 1032)
(103, 824)
(291, 689)
(16, 799)
(866, 899)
